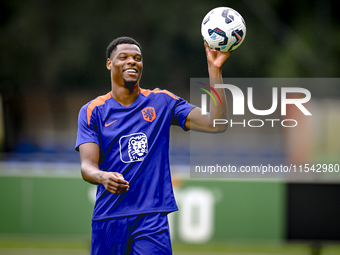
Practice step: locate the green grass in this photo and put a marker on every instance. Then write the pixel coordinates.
(80, 245)
(248, 248)
(44, 241)
(255, 248)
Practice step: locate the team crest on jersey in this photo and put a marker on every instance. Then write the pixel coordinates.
(133, 147)
(149, 113)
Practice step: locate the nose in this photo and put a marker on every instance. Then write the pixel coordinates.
(131, 61)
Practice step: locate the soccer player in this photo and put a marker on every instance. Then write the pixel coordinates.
(123, 140)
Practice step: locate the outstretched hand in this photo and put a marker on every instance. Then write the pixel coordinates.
(216, 58)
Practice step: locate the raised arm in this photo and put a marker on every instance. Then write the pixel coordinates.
(195, 120)
(112, 181)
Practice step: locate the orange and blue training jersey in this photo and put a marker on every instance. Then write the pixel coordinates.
(134, 141)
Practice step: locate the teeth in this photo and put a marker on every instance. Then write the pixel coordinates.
(131, 71)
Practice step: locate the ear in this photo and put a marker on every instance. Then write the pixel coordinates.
(108, 64)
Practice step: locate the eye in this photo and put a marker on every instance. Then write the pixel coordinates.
(122, 57)
(137, 58)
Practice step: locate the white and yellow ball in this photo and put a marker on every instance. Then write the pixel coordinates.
(223, 29)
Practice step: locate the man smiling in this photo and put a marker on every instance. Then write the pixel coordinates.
(123, 140)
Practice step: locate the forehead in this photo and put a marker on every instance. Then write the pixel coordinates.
(127, 48)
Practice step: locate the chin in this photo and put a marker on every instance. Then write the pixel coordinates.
(130, 84)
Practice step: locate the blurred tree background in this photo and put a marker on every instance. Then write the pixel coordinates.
(53, 54)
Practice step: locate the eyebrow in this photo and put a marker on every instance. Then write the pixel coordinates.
(128, 53)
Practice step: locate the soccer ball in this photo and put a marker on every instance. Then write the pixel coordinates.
(223, 29)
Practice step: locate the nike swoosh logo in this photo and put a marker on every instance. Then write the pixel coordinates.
(108, 124)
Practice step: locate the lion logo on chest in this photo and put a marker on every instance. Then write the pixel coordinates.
(133, 147)
(138, 147)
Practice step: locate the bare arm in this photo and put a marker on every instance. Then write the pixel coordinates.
(112, 181)
(195, 120)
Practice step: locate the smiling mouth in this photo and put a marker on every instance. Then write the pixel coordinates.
(131, 71)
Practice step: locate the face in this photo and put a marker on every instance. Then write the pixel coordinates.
(125, 64)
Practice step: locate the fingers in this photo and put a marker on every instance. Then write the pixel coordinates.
(115, 183)
(117, 189)
(215, 57)
(227, 53)
(207, 48)
(221, 58)
(117, 177)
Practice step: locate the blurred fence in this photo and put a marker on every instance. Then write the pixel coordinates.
(209, 211)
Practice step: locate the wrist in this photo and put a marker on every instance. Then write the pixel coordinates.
(101, 177)
(214, 72)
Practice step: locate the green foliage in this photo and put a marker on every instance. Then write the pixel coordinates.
(61, 44)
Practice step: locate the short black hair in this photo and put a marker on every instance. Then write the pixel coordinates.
(120, 40)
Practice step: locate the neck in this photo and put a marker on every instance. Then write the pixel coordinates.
(125, 95)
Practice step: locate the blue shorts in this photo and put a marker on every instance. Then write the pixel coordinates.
(138, 234)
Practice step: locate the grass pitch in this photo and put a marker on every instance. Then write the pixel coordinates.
(80, 245)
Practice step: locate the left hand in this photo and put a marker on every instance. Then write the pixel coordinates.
(215, 58)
